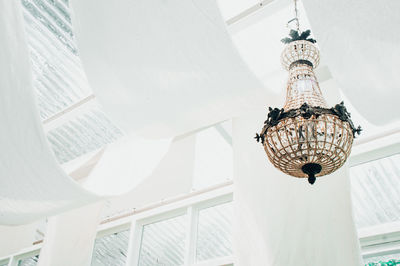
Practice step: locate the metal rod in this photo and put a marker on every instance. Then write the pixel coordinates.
(251, 10)
(168, 201)
(296, 15)
(69, 109)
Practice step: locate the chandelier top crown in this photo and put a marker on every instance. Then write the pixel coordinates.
(295, 35)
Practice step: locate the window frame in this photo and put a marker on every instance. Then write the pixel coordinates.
(382, 239)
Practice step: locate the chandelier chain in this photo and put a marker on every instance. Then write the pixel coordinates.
(296, 18)
(296, 15)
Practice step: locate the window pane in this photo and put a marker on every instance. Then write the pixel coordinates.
(213, 156)
(214, 235)
(4, 263)
(31, 261)
(163, 243)
(375, 191)
(111, 249)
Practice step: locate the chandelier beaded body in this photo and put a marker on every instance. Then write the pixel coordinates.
(305, 138)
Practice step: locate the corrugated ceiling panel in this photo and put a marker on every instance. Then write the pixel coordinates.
(58, 76)
(84, 133)
(375, 191)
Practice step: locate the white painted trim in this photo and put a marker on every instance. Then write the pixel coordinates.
(134, 244)
(382, 229)
(191, 236)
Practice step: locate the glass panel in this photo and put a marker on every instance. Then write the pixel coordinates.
(163, 243)
(111, 249)
(392, 259)
(58, 75)
(30, 261)
(375, 191)
(84, 133)
(214, 233)
(213, 156)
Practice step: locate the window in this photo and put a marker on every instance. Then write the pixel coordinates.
(376, 204)
(194, 231)
(111, 249)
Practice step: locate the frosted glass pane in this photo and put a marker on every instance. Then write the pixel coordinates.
(84, 133)
(214, 235)
(213, 156)
(111, 249)
(31, 261)
(375, 191)
(163, 243)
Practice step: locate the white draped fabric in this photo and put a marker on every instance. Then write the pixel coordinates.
(173, 176)
(69, 238)
(163, 68)
(32, 184)
(165, 74)
(281, 220)
(359, 43)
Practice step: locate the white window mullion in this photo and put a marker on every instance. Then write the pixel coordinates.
(12, 261)
(191, 236)
(135, 237)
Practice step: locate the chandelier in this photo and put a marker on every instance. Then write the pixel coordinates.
(306, 138)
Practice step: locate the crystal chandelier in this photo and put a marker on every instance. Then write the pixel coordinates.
(305, 138)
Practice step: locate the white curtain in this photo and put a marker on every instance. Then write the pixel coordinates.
(160, 69)
(173, 176)
(166, 67)
(359, 42)
(32, 184)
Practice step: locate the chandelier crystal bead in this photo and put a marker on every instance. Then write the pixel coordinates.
(305, 138)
